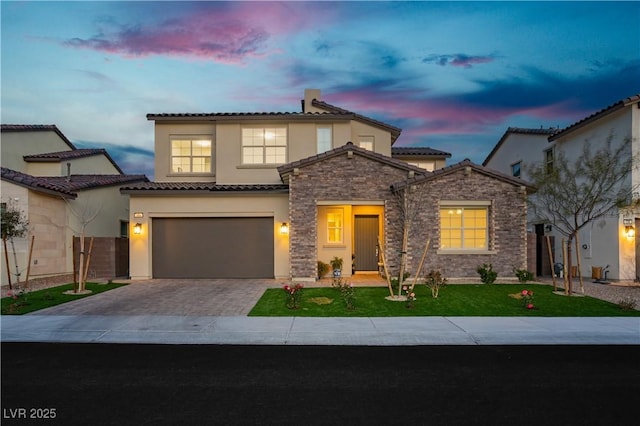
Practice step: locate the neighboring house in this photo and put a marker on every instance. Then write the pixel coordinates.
(423, 157)
(604, 242)
(248, 195)
(51, 181)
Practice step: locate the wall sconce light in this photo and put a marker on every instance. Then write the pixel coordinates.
(284, 228)
(137, 228)
(629, 229)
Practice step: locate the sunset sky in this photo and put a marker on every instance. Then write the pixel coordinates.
(452, 75)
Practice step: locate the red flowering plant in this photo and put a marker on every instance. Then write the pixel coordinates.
(294, 295)
(527, 299)
(409, 294)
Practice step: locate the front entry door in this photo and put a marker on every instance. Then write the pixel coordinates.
(366, 239)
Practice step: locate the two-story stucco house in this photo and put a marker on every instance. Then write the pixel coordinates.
(51, 181)
(609, 241)
(245, 195)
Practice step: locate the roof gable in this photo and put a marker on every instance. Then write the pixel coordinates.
(67, 186)
(631, 100)
(60, 156)
(465, 165)
(36, 128)
(356, 150)
(418, 151)
(521, 131)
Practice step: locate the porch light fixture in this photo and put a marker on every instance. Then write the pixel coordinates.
(284, 228)
(629, 229)
(137, 228)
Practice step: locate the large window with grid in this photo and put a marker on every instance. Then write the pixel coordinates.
(464, 227)
(266, 145)
(190, 155)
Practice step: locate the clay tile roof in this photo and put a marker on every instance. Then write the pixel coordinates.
(202, 187)
(462, 165)
(56, 157)
(67, 186)
(220, 116)
(418, 151)
(349, 146)
(36, 128)
(518, 130)
(635, 99)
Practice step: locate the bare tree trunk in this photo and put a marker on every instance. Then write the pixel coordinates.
(553, 271)
(86, 268)
(15, 259)
(81, 266)
(564, 266)
(579, 264)
(384, 265)
(6, 260)
(26, 279)
(403, 257)
(569, 260)
(424, 255)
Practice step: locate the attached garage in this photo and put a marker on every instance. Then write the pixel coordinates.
(223, 247)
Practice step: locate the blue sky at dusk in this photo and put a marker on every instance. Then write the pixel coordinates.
(452, 75)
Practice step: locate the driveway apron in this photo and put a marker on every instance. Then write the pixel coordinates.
(220, 297)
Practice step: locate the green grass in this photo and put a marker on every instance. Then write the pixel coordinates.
(48, 297)
(454, 300)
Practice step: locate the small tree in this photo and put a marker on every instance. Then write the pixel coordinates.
(573, 195)
(85, 212)
(14, 225)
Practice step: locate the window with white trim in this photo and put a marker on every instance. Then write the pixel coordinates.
(264, 145)
(335, 225)
(325, 142)
(366, 142)
(548, 160)
(190, 155)
(464, 227)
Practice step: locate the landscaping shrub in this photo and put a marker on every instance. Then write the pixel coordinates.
(435, 281)
(323, 268)
(487, 274)
(523, 275)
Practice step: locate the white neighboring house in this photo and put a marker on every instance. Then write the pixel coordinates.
(607, 242)
(45, 176)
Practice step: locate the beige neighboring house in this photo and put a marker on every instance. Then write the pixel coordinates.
(607, 242)
(51, 181)
(267, 195)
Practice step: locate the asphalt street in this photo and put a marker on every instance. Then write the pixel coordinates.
(134, 384)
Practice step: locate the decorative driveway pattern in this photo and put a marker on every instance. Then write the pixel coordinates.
(222, 297)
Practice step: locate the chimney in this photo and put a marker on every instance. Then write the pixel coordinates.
(310, 95)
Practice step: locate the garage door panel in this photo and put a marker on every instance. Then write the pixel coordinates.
(213, 247)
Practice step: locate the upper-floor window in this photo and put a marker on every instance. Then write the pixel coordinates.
(463, 227)
(264, 145)
(548, 160)
(428, 165)
(366, 142)
(190, 155)
(325, 142)
(515, 169)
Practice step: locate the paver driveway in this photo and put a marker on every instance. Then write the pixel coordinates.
(222, 297)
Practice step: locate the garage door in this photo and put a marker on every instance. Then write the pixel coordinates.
(227, 247)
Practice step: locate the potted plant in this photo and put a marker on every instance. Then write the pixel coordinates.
(323, 268)
(336, 265)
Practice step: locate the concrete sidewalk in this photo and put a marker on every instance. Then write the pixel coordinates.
(406, 331)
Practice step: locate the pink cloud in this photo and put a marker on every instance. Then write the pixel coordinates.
(224, 32)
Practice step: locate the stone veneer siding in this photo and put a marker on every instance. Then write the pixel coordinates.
(507, 225)
(359, 178)
(337, 178)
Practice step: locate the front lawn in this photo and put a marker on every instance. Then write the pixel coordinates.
(454, 300)
(45, 298)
